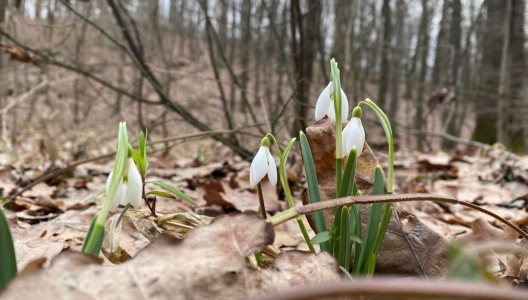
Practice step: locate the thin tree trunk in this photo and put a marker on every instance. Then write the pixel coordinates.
(397, 57)
(385, 48)
(419, 104)
(502, 109)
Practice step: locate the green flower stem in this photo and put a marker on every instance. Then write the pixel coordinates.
(284, 182)
(384, 120)
(261, 200)
(336, 81)
(339, 175)
(269, 135)
(305, 234)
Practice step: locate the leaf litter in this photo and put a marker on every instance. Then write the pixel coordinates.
(51, 220)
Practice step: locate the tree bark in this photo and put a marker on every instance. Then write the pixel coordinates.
(385, 67)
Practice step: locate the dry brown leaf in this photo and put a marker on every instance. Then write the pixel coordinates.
(17, 53)
(513, 264)
(410, 247)
(221, 193)
(484, 232)
(439, 160)
(209, 264)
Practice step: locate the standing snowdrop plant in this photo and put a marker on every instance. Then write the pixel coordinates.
(125, 185)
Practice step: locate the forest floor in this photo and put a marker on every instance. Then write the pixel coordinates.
(51, 219)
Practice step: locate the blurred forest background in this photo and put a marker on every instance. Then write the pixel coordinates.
(446, 72)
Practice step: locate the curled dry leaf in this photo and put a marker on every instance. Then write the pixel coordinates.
(17, 53)
(220, 192)
(110, 247)
(410, 247)
(209, 264)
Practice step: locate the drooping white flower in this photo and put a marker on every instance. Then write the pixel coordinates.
(325, 106)
(130, 188)
(263, 164)
(354, 134)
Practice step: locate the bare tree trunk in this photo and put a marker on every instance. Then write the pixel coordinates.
(455, 37)
(517, 80)
(78, 60)
(397, 57)
(385, 68)
(441, 62)
(245, 26)
(502, 129)
(486, 121)
(419, 104)
(298, 49)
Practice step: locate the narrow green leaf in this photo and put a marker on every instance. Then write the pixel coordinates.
(385, 220)
(356, 213)
(321, 237)
(343, 257)
(349, 175)
(313, 187)
(138, 159)
(372, 222)
(371, 265)
(173, 190)
(8, 267)
(95, 232)
(337, 233)
(161, 194)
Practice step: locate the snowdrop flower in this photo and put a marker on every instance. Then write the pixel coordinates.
(263, 164)
(354, 134)
(325, 106)
(130, 189)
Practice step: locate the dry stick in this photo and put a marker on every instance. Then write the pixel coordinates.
(397, 288)
(109, 155)
(261, 200)
(315, 207)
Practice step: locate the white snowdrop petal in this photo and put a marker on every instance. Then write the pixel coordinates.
(272, 169)
(134, 189)
(353, 135)
(344, 107)
(117, 197)
(344, 139)
(323, 103)
(362, 134)
(331, 112)
(259, 167)
(124, 198)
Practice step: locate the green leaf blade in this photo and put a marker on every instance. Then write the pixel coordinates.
(313, 187)
(8, 266)
(321, 237)
(173, 190)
